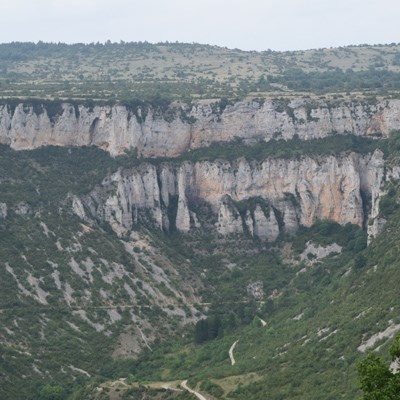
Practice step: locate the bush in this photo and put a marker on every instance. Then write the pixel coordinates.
(212, 388)
(48, 392)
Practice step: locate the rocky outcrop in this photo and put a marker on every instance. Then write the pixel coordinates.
(265, 228)
(257, 198)
(123, 195)
(117, 129)
(182, 221)
(229, 220)
(313, 252)
(22, 208)
(3, 210)
(374, 177)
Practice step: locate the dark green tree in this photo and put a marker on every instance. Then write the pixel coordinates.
(201, 331)
(214, 327)
(360, 261)
(48, 392)
(377, 380)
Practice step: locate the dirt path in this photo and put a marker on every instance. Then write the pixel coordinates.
(263, 323)
(197, 394)
(168, 387)
(233, 362)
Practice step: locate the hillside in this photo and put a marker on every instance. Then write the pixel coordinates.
(179, 217)
(177, 71)
(71, 287)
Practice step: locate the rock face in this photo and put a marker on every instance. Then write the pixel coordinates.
(116, 129)
(265, 228)
(229, 220)
(261, 199)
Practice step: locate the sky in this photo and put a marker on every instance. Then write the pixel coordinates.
(243, 24)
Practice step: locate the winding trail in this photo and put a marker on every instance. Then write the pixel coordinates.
(233, 362)
(263, 323)
(197, 394)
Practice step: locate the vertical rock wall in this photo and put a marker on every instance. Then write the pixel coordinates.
(258, 198)
(117, 129)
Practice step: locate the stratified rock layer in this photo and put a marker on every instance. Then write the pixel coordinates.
(116, 129)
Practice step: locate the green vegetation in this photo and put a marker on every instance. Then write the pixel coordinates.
(286, 149)
(207, 329)
(377, 380)
(307, 350)
(320, 336)
(144, 72)
(64, 300)
(388, 204)
(351, 237)
(338, 80)
(212, 388)
(48, 392)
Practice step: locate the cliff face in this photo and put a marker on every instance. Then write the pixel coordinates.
(258, 198)
(116, 129)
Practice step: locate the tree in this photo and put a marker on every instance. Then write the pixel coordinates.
(214, 327)
(207, 329)
(48, 392)
(201, 331)
(377, 380)
(360, 261)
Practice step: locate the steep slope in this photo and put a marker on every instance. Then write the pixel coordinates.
(170, 131)
(105, 259)
(75, 296)
(322, 316)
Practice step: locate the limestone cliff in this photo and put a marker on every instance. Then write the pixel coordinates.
(257, 198)
(260, 199)
(152, 133)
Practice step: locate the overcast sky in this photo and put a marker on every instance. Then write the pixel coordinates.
(244, 24)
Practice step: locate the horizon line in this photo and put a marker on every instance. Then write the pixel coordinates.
(163, 43)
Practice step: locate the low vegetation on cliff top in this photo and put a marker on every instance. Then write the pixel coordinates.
(179, 71)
